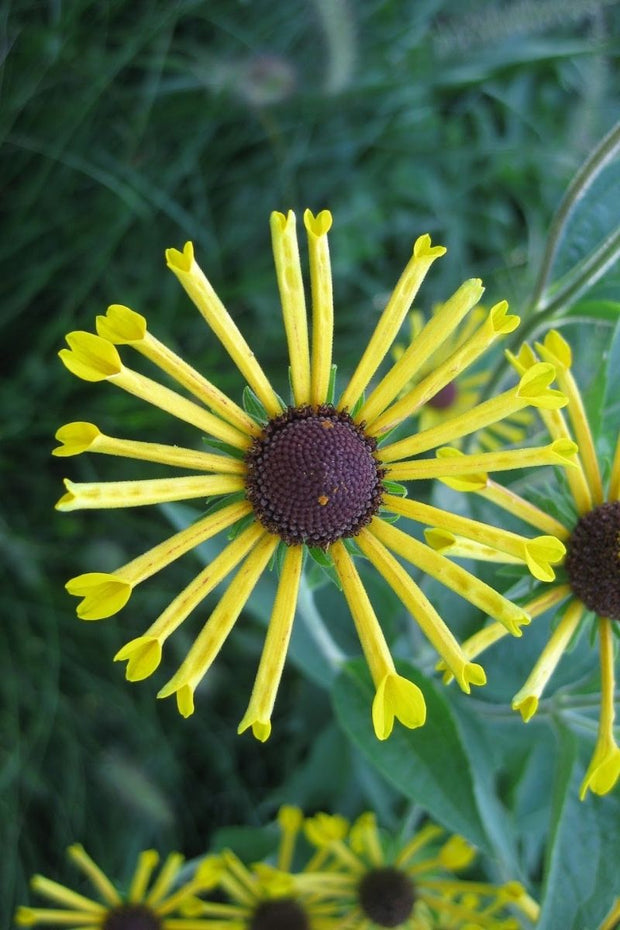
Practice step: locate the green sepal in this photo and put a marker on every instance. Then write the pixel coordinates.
(253, 407)
(357, 406)
(321, 569)
(331, 387)
(394, 487)
(220, 446)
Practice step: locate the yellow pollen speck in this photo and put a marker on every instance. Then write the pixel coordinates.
(327, 424)
(323, 499)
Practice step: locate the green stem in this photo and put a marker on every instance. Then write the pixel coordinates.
(602, 155)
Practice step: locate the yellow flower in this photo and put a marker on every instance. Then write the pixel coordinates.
(440, 395)
(377, 881)
(265, 896)
(591, 565)
(311, 475)
(159, 907)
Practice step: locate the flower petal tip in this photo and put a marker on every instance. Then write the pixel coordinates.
(142, 655)
(103, 594)
(180, 261)
(318, 225)
(527, 706)
(121, 326)
(76, 437)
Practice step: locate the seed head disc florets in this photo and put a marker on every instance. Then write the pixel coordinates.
(131, 917)
(593, 560)
(312, 476)
(279, 914)
(386, 896)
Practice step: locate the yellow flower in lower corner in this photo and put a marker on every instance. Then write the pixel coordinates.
(377, 881)
(158, 907)
(315, 474)
(267, 896)
(591, 565)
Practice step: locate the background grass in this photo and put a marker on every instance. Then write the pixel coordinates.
(127, 128)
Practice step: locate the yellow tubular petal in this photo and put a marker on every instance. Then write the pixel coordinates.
(492, 633)
(292, 298)
(532, 390)
(33, 916)
(452, 576)
(503, 540)
(460, 548)
(211, 638)
(456, 854)
(432, 625)
(56, 892)
(152, 561)
(173, 403)
(165, 879)
(611, 921)
(86, 437)
(103, 594)
(556, 424)
(122, 326)
(89, 357)
(76, 438)
(290, 820)
(475, 646)
(561, 452)
(436, 331)
(614, 478)
(526, 699)
(142, 654)
(325, 829)
(96, 876)
(397, 698)
(144, 649)
(392, 317)
(604, 768)
(101, 495)
(523, 509)
(147, 861)
(557, 351)
(497, 323)
(317, 228)
(548, 599)
(258, 714)
(200, 291)
(365, 840)
(421, 839)
(541, 553)
(369, 630)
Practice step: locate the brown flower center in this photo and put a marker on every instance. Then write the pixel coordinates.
(312, 476)
(387, 896)
(279, 914)
(132, 917)
(593, 560)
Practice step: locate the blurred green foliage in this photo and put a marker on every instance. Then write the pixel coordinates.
(127, 128)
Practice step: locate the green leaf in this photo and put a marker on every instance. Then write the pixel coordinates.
(429, 765)
(581, 873)
(603, 309)
(584, 241)
(611, 400)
